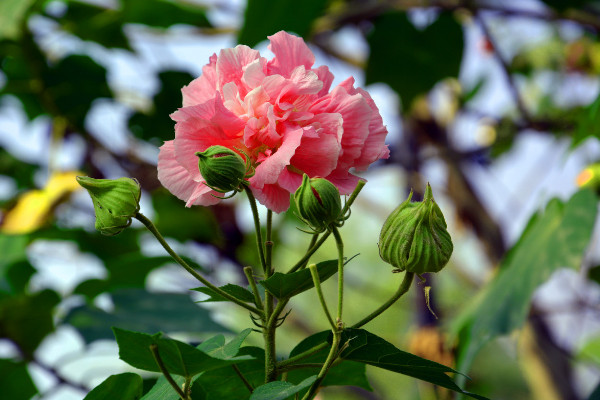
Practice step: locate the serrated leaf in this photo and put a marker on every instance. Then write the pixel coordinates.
(178, 357)
(284, 286)
(554, 238)
(410, 60)
(263, 18)
(126, 386)
(162, 389)
(280, 390)
(346, 373)
(370, 349)
(236, 291)
(217, 348)
(139, 310)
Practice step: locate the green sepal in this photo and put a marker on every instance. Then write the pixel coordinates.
(116, 202)
(223, 169)
(318, 202)
(415, 237)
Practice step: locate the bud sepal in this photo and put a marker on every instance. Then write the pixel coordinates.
(116, 202)
(223, 169)
(415, 237)
(319, 204)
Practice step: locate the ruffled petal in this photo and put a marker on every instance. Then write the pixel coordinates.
(318, 154)
(290, 52)
(178, 180)
(268, 171)
(203, 88)
(231, 63)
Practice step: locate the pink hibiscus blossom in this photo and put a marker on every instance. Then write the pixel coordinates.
(282, 115)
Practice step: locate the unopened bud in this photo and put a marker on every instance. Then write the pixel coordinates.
(116, 202)
(318, 202)
(222, 168)
(414, 237)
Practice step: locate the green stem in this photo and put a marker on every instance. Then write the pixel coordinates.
(404, 286)
(302, 262)
(187, 387)
(259, 241)
(340, 246)
(330, 359)
(243, 378)
(250, 276)
(317, 282)
(165, 372)
(313, 241)
(269, 243)
(148, 224)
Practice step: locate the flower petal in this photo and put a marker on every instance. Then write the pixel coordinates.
(178, 180)
(231, 63)
(290, 52)
(202, 88)
(272, 196)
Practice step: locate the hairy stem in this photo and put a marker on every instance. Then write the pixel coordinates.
(250, 277)
(317, 282)
(165, 372)
(340, 246)
(259, 241)
(148, 224)
(333, 353)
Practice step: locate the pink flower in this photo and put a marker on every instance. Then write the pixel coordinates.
(282, 114)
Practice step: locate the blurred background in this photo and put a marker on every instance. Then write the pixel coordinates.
(495, 103)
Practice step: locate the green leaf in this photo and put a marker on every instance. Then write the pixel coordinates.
(12, 14)
(12, 248)
(588, 123)
(225, 384)
(236, 291)
(74, 83)
(280, 390)
(412, 60)
(217, 348)
(284, 286)
(163, 14)
(162, 389)
(102, 25)
(370, 349)
(27, 319)
(264, 18)
(346, 373)
(139, 310)
(156, 125)
(126, 386)
(179, 358)
(591, 350)
(552, 239)
(15, 381)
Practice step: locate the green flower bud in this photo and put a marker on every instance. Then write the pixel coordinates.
(414, 237)
(318, 202)
(116, 201)
(223, 169)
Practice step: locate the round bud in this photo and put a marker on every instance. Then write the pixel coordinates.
(414, 237)
(222, 168)
(318, 202)
(116, 202)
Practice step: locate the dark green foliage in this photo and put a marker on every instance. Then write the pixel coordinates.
(411, 60)
(236, 291)
(279, 390)
(365, 347)
(27, 319)
(264, 18)
(126, 386)
(15, 381)
(139, 310)
(179, 358)
(158, 126)
(346, 373)
(284, 286)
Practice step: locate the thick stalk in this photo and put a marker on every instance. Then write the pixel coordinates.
(317, 283)
(270, 323)
(333, 353)
(404, 286)
(259, 241)
(148, 224)
(165, 372)
(340, 246)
